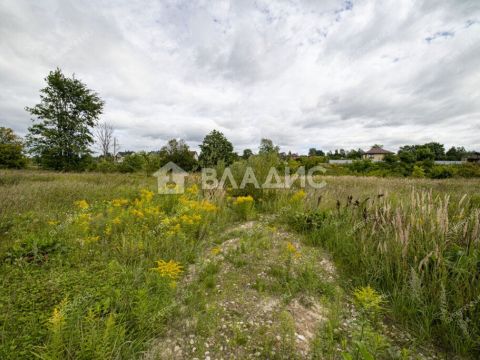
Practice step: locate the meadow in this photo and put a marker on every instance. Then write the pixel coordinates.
(101, 266)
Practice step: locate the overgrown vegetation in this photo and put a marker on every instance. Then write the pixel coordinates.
(98, 266)
(419, 245)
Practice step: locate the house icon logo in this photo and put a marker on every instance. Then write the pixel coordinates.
(170, 179)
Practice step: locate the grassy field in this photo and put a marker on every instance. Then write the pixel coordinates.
(99, 266)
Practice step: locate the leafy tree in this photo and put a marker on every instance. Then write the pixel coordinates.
(437, 149)
(456, 153)
(11, 150)
(178, 152)
(425, 153)
(315, 152)
(267, 147)
(355, 154)
(67, 112)
(246, 154)
(407, 155)
(215, 148)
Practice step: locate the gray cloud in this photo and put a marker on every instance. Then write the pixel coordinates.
(304, 73)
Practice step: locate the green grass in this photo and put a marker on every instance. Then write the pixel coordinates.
(79, 282)
(416, 241)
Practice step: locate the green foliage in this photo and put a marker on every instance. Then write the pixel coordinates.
(418, 172)
(456, 153)
(77, 278)
(178, 152)
(215, 148)
(246, 154)
(417, 248)
(267, 147)
(11, 150)
(65, 116)
(259, 166)
(132, 163)
(315, 152)
(441, 172)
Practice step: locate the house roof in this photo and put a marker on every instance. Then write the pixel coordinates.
(377, 150)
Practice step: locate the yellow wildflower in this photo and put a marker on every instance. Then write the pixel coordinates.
(292, 250)
(91, 239)
(52, 222)
(108, 230)
(146, 195)
(138, 213)
(368, 299)
(298, 196)
(244, 199)
(82, 204)
(57, 317)
(152, 210)
(192, 190)
(174, 230)
(170, 269)
(119, 202)
(117, 221)
(216, 250)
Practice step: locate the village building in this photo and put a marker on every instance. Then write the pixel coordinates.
(376, 153)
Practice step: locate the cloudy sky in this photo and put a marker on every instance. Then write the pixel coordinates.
(304, 73)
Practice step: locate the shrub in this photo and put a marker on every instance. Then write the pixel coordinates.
(441, 172)
(131, 163)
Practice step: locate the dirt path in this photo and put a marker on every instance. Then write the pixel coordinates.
(258, 293)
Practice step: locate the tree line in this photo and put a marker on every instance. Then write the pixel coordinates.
(66, 125)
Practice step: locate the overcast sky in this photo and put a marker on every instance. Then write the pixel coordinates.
(304, 73)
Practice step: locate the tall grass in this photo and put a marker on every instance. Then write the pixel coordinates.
(88, 262)
(418, 244)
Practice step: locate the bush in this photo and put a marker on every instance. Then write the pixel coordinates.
(441, 172)
(11, 150)
(131, 163)
(418, 172)
(106, 166)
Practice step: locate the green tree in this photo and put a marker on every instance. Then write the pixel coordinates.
(178, 152)
(456, 153)
(267, 147)
(246, 154)
(11, 150)
(437, 149)
(215, 148)
(67, 112)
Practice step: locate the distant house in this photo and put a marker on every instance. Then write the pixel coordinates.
(120, 156)
(473, 157)
(376, 153)
(194, 155)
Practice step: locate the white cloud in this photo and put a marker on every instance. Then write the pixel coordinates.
(304, 73)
